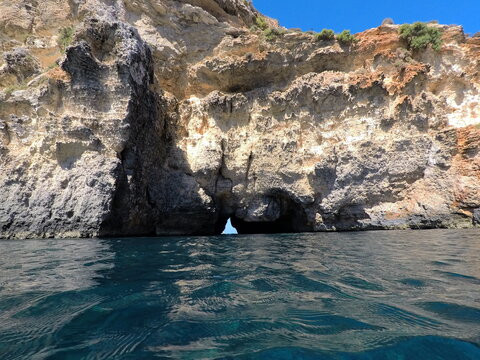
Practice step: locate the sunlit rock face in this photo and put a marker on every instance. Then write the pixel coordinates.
(163, 117)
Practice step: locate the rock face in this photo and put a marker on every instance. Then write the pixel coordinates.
(166, 117)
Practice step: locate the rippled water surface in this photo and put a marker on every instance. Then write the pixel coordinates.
(370, 295)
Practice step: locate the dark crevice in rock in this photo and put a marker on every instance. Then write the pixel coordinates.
(249, 165)
(289, 217)
(85, 71)
(348, 217)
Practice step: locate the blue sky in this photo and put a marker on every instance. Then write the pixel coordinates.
(229, 229)
(361, 15)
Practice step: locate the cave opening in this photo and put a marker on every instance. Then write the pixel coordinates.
(282, 225)
(291, 219)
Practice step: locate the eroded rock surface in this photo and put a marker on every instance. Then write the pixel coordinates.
(166, 117)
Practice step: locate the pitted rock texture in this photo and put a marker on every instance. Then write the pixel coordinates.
(168, 117)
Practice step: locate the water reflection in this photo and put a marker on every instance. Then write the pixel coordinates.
(342, 295)
(51, 265)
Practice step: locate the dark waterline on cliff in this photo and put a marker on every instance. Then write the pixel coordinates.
(367, 295)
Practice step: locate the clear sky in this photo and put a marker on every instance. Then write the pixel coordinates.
(362, 15)
(229, 229)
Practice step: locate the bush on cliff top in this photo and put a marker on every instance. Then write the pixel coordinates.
(346, 38)
(272, 33)
(419, 36)
(261, 23)
(325, 35)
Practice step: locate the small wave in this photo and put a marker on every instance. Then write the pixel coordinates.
(400, 316)
(414, 282)
(453, 311)
(359, 283)
(303, 283)
(459, 276)
(312, 322)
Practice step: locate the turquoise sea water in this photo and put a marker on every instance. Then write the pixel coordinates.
(368, 295)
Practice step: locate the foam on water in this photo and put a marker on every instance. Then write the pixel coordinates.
(371, 295)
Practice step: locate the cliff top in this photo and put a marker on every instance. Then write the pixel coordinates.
(240, 41)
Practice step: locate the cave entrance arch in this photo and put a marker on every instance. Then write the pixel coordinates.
(291, 217)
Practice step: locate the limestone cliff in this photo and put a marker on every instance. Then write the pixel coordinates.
(144, 117)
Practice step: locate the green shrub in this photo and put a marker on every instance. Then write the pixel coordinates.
(346, 38)
(420, 36)
(261, 23)
(325, 34)
(272, 33)
(65, 38)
